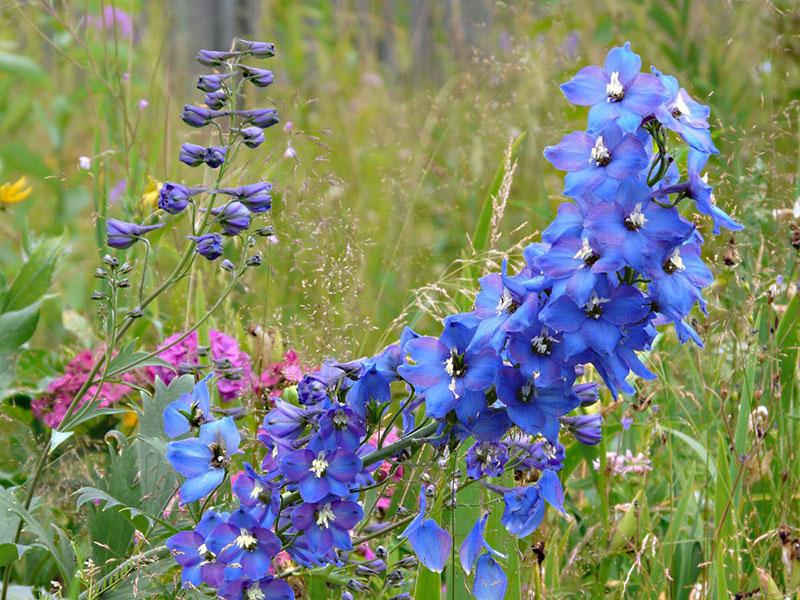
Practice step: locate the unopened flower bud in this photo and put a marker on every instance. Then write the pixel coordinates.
(98, 295)
(227, 265)
(100, 273)
(125, 268)
(111, 261)
(254, 261)
(123, 283)
(136, 313)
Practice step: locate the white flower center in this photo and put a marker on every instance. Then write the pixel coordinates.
(677, 261)
(325, 516)
(614, 88)
(585, 250)
(340, 419)
(600, 153)
(549, 450)
(680, 105)
(449, 368)
(593, 307)
(245, 540)
(254, 593)
(637, 218)
(319, 464)
(505, 302)
(256, 491)
(542, 343)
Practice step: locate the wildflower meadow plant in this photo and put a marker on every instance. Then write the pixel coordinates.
(500, 390)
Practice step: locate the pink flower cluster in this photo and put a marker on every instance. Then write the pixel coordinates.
(281, 374)
(51, 407)
(231, 365)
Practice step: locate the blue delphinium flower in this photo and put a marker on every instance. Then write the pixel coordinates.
(258, 49)
(286, 421)
(490, 580)
(208, 245)
(533, 409)
(258, 494)
(214, 58)
(444, 369)
(524, 506)
(318, 474)
(430, 542)
(596, 324)
(244, 545)
(339, 427)
(703, 196)
(327, 524)
(189, 549)
(617, 91)
(122, 235)
(597, 163)
(684, 115)
(188, 412)
(269, 588)
(486, 459)
(204, 460)
(216, 100)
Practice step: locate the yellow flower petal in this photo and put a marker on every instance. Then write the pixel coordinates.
(150, 195)
(12, 193)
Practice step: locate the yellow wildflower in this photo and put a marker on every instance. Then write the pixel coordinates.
(150, 195)
(11, 193)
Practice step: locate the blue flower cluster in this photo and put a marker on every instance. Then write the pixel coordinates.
(244, 127)
(618, 260)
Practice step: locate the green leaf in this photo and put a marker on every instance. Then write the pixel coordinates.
(106, 501)
(22, 67)
(697, 447)
(59, 437)
(33, 279)
(17, 327)
(128, 359)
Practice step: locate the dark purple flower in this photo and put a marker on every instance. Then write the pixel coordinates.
(339, 427)
(267, 588)
(233, 217)
(199, 116)
(258, 77)
(257, 197)
(198, 564)
(194, 155)
(259, 117)
(244, 542)
(174, 197)
(486, 459)
(212, 82)
(587, 429)
(252, 137)
(258, 49)
(121, 235)
(214, 58)
(216, 100)
(209, 245)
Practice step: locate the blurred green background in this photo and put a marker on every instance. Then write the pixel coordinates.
(395, 120)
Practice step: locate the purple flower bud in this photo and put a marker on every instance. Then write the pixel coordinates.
(260, 117)
(627, 421)
(121, 235)
(199, 116)
(233, 217)
(587, 429)
(212, 82)
(174, 197)
(252, 136)
(209, 245)
(227, 265)
(258, 77)
(258, 49)
(214, 58)
(194, 155)
(257, 197)
(589, 393)
(216, 100)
